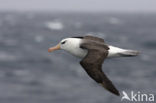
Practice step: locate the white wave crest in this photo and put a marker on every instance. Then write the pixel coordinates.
(55, 25)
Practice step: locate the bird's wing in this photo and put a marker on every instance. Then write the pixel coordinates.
(93, 38)
(92, 64)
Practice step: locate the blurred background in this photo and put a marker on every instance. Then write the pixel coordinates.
(29, 74)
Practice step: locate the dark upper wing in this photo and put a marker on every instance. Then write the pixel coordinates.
(94, 38)
(88, 37)
(92, 64)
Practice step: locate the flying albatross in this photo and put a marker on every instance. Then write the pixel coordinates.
(93, 51)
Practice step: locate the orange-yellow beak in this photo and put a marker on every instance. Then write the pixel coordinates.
(57, 47)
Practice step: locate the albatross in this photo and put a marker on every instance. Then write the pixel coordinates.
(93, 51)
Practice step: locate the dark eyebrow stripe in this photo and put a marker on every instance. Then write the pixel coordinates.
(81, 37)
(63, 42)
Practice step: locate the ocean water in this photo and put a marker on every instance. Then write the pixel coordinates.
(29, 74)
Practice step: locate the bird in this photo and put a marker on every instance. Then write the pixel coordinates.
(93, 51)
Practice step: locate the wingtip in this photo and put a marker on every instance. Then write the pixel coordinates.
(117, 94)
(111, 89)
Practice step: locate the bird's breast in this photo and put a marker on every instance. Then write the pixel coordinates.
(79, 52)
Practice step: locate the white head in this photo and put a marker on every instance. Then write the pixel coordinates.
(67, 44)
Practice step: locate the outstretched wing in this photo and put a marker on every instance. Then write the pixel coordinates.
(92, 64)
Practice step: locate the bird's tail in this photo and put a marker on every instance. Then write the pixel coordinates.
(119, 52)
(128, 53)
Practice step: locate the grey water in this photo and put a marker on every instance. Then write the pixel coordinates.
(29, 74)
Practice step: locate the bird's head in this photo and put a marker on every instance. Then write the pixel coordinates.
(65, 44)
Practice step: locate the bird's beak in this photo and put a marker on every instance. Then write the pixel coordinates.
(57, 47)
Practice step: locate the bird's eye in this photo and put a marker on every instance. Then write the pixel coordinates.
(63, 42)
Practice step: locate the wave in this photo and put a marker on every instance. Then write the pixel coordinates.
(55, 25)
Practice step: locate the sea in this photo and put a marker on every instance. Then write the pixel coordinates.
(29, 74)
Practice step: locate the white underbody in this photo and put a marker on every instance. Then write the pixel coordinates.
(81, 53)
(73, 47)
(112, 52)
